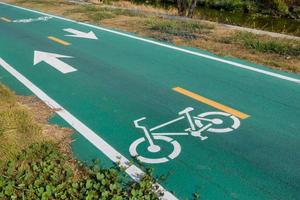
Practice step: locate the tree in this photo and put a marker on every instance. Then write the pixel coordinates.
(186, 7)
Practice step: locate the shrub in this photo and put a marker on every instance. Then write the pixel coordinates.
(281, 6)
(228, 5)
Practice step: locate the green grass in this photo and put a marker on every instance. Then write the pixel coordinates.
(6, 97)
(188, 30)
(93, 13)
(43, 172)
(96, 13)
(276, 46)
(17, 128)
(44, 2)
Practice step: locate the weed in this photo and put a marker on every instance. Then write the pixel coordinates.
(6, 96)
(164, 37)
(196, 196)
(184, 29)
(44, 2)
(101, 16)
(43, 172)
(17, 127)
(251, 41)
(96, 13)
(93, 12)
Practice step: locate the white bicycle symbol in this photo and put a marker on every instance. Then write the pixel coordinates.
(197, 125)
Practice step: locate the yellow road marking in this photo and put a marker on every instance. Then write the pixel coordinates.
(58, 40)
(5, 19)
(211, 103)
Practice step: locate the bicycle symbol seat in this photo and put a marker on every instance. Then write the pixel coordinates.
(208, 122)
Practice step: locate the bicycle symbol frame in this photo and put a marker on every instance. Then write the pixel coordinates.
(196, 128)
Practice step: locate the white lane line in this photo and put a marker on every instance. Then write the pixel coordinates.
(133, 171)
(169, 46)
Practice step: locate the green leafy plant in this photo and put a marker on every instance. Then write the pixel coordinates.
(43, 172)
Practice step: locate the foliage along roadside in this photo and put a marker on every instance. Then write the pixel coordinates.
(252, 41)
(17, 127)
(43, 172)
(278, 8)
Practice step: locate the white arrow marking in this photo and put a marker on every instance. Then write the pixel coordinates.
(52, 59)
(79, 34)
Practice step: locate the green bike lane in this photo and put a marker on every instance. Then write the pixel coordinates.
(120, 79)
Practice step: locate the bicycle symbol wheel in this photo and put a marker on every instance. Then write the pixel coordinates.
(216, 118)
(176, 149)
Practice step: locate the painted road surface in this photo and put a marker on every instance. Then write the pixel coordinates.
(220, 127)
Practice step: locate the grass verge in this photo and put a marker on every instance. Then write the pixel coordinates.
(96, 13)
(254, 42)
(36, 161)
(165, 29)
(41, 171)
(17, 127)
